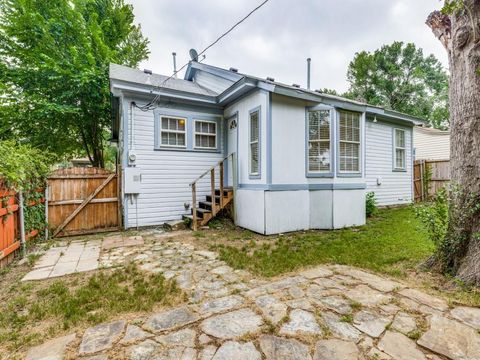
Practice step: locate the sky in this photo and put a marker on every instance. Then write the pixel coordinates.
(277, 39)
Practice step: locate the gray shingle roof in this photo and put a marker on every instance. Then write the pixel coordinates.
(124, 73)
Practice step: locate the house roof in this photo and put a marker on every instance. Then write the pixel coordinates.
(432, 131)
(136, 76)
(240, 84)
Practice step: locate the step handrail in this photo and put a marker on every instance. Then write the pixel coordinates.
(211, 170)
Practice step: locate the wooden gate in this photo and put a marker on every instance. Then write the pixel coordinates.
(429, 176)
(82, 201)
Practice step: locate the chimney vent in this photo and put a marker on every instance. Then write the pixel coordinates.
(270, 79)
(232, 69)
(308, 73)
(296, 85)
(146, 71)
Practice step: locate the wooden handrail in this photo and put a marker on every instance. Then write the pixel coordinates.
(211, 170)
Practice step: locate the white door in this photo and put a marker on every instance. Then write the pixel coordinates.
(232, 145)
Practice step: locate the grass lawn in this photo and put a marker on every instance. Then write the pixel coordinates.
(33, 311)
(393, 242)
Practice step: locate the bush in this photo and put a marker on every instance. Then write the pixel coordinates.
(434, 215)
(371, 204)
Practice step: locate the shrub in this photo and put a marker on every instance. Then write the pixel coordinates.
(371, 204)
(434, 216)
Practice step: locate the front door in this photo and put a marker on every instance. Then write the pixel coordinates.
(232, 123)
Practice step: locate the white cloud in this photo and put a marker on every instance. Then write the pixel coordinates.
(277, 39)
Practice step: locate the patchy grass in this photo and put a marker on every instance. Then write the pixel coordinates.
(392, 242)
(33, 311)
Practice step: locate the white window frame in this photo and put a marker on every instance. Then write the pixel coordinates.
(330, 124)
(359, 143)
(195, 133)
(256, 174)
(395, 148)
(172, 131)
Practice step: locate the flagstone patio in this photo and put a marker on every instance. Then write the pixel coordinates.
(329, 312)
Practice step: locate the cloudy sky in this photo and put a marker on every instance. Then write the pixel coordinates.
(277, 39)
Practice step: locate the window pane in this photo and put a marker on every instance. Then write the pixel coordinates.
(319, 156)
(164, 123)
(164, 138)
(254, 126)
(399, 138)
(254, 158)
(400, 158)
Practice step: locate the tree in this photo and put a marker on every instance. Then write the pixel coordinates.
(54, 64)
(458, 29)
(401, 78)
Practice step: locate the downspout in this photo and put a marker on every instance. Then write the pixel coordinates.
(309, 60)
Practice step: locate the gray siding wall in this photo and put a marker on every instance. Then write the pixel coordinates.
(396, 186)
(431, 145)
(166, 175)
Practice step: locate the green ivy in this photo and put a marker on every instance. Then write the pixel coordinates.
(25, 168)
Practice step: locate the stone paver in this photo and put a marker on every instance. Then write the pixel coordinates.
(51, 350)
(101, 337)
(277, 348)
(325, 312)
(232, 350)
(334, 349)
(66, 260)
(452, 339)
(232, 325)
(400, 347)
(301, 322)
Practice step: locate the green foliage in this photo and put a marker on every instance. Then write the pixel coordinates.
(54, 65)
(434, 216)
(23, 167)
(401, 78)
(370, 204)
(452, 6)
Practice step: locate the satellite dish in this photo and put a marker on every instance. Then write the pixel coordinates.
(193, 55)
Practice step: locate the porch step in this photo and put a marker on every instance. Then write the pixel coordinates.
(205, 205)
(201, 212)
(205, 209)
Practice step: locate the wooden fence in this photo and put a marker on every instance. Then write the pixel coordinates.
(429, 177)
(10, 224)
(83, 200)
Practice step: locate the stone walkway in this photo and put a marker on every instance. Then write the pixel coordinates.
(323, 313)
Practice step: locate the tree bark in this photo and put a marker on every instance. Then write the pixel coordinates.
(460, 35)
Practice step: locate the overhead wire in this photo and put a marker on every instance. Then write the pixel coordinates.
(151, 105)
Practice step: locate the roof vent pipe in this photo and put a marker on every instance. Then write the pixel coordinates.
(308, 73)
(174, 54)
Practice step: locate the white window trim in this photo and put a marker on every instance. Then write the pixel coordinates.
(404, 148)
(208, 134)
(250, 142)
(330, 111)
(359, 143)
(172, 132)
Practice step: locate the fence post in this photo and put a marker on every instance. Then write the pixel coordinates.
(46, 212)
(22, 223)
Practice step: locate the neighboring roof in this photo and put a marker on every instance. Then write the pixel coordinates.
(432, 131)
(136, 76)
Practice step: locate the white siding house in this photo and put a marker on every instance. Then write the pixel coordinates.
(431, 144)
(303, 159)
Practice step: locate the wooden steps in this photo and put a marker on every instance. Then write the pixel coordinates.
(207, 210)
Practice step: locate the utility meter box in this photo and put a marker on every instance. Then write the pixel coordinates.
(133, 180)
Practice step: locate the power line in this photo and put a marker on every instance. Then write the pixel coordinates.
(151, 104)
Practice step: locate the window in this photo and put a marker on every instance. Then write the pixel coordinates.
(205, 134)
(172, 131)
(349, 141)
(319, 158)
(399, 149)
(254, 142)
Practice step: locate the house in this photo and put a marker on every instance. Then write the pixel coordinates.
(299, 159)
(431, 144)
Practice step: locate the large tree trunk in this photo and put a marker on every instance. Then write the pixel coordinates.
(460, 34)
